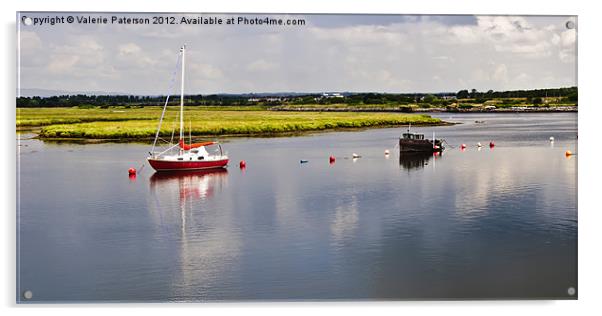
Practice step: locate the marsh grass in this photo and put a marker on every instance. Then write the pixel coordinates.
(137, 123)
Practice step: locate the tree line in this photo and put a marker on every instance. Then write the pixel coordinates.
(81, 100)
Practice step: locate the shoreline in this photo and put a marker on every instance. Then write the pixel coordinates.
(518, 109)
(146, 140)
(126, 135)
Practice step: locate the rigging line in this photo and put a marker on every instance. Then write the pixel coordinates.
(173, 128)
(450, 145)
(169, 90)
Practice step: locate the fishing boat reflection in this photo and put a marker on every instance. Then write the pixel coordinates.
(416, 160)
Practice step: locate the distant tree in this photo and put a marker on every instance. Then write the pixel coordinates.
(429, 98)
(462, 94)
(473, 93)
(536, 101)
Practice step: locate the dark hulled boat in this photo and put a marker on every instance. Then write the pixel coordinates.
(412, 142)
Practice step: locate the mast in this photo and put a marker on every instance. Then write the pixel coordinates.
(183, 50)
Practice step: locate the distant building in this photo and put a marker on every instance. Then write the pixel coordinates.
(265, 99)
(332, 95)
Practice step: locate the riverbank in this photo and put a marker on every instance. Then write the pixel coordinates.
(141, 123)
(416, 109)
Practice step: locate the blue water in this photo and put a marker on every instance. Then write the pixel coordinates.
(489, 223)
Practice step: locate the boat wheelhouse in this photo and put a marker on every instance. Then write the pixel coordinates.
(414, 142)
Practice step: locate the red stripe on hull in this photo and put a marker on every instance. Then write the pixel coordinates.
(165, 165)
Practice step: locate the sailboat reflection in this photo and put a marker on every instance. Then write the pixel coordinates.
(198, 184)
(416, 160)
(190, 188)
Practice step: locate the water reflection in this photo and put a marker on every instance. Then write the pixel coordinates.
(190, 188)
(206, 246)
(417, 160)
(479, 225)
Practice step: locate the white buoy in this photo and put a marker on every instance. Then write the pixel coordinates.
(386, 151)
(551, 138)
(479, 144)
(355, 155)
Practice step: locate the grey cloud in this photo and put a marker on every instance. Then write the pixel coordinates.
(382, 53)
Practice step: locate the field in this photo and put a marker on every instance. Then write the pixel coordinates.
(141, 123)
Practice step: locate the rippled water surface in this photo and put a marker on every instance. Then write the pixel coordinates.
(489, 223)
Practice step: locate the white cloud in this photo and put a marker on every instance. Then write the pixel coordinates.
(423, 55)
(501, 73)
(205, 71)
(129, 49)
(61, 64)
(262, 65)
(30, 42)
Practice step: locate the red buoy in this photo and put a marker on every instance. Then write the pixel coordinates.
(463, 146)
(242, 164)
(132, 171)
(332, 159)
(491, 144)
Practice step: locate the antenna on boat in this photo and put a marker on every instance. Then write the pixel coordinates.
(433, 139)
(409, 126)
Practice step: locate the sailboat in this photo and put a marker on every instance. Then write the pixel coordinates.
(182, 155)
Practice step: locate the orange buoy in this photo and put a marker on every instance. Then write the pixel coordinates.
(332, 159)
(568, 153)
(132, 171)
(242, 164)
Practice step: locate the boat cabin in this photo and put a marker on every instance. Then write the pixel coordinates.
(412, 136)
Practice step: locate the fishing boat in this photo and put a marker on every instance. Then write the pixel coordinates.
(413, 142)
(181, 155)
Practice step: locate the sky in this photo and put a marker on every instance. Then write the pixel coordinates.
(354, 53)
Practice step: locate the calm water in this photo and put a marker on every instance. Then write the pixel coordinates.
(489, 223)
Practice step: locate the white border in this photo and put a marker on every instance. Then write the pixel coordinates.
(590, 262)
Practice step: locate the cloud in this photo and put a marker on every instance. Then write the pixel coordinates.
(501, 73)
(261, 65)
(336, 53)
(61, 64)
(29, 42)
(129, 49)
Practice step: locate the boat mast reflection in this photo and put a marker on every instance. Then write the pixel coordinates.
(190, 187)
(416, 160)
